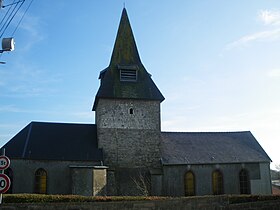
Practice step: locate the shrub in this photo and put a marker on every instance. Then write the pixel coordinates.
(39, 198)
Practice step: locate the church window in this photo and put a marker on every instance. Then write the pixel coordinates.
(41, 181)
(131, 111)
(217, 182)
(128, 75)
(189, 184)
(244, 182)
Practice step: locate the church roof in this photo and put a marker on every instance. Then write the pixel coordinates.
(125, 57)
(211, 148)
(55, 141)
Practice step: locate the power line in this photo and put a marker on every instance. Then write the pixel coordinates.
(7, 19)
(12, 3)
(9, 16)
(6, 14)
(16, 6)
(22, 17)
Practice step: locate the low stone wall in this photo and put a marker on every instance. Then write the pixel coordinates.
(202, 203)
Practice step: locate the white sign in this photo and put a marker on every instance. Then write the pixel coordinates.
(4, 162)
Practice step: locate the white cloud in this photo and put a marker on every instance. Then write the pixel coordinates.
(269, 17)
(268, 35)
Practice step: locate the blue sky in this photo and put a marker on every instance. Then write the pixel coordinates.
(215, 61)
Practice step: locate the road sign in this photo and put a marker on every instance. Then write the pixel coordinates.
(4, 183)
(4, 162)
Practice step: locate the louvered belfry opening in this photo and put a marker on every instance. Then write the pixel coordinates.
(128, 75)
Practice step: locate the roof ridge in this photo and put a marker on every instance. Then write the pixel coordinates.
(61, 123)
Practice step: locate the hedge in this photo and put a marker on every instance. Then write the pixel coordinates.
(38, 198)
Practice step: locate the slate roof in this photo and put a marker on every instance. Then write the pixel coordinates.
(55, 141)
(125, 55)
(211, 148)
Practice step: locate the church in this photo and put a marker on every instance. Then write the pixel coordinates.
(125, 152)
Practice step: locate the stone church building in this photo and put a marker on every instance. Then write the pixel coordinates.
(125, 152)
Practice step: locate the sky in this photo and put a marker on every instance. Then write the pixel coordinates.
(216, 62)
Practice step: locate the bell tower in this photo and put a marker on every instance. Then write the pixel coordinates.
(127, 107)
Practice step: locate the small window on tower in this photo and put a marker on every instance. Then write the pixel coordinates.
(128, 75)
(131, 111)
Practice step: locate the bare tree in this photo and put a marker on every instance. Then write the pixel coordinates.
(143, 183)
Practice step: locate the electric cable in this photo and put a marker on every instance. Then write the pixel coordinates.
(9, 15)
(12, 3)
(14, 8)
(12, 17)
(6, 14)
(22, 18)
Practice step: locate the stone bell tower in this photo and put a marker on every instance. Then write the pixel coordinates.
(127, 107)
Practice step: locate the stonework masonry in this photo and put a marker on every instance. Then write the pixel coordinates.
(129, 132)
(88, 180)
(130, 149)
(116, 113)
(173, 180)
(60, 176)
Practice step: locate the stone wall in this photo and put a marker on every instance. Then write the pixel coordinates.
(115, 113)
(88, 180)
(173, 178)
(129, 132)
(131, 148)
(59, 178)
(261, 185)
(198, 203)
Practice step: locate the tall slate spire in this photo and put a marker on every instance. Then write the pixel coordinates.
(126, 77)
(125, 50)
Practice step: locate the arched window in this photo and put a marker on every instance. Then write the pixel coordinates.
(41, 181)
(244, 182)
(217, 183)
(9, 173)
(189, 184)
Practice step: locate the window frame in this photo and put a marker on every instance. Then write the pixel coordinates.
(40, 181)
(244, 182)
(217, 182)
(189, 189)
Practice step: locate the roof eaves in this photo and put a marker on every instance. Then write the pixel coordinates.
(212, 163)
